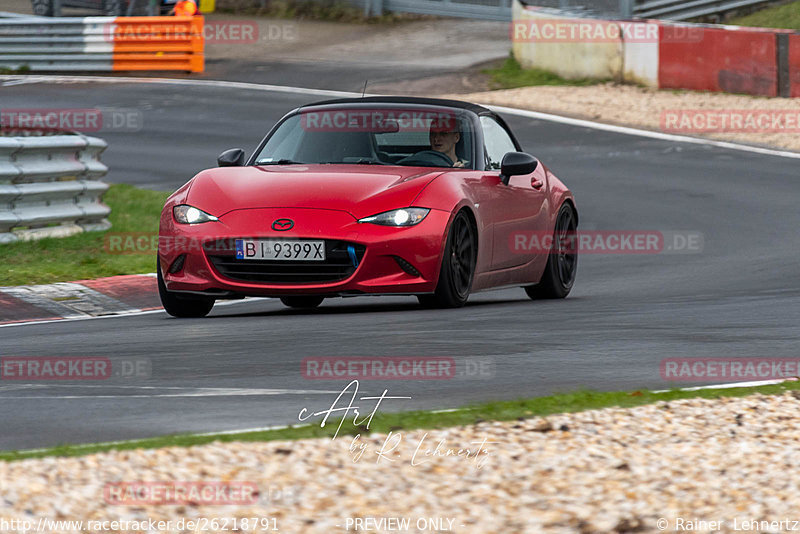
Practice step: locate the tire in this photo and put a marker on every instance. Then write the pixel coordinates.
(180, 306)
(458, 266)
(302, 302)
(42, 8)
(559, 274)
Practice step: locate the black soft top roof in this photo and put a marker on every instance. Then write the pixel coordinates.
(475, 108)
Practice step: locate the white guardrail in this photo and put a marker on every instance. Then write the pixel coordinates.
(105, 44)
(688, 9)
(50, 187)
(50, 44)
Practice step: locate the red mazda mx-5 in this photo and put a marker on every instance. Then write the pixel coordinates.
(379, 195)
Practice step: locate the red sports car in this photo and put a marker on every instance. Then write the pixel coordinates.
(380, 195)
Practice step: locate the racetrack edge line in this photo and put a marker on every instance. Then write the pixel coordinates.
(144, 441)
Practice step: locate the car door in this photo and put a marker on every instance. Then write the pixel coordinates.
(518, 208)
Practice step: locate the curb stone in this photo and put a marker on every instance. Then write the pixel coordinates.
(115, 295)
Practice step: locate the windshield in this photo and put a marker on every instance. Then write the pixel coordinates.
(435, 137)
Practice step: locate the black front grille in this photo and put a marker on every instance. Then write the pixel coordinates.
(339, 264)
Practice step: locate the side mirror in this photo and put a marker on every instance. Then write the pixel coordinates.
(233, 158)
(516, 163)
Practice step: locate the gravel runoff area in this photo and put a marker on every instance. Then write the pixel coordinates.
(646, 108)
(676, 465)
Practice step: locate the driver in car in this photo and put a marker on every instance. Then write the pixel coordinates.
(443, 139)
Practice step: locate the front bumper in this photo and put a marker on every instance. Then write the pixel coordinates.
(378, 270)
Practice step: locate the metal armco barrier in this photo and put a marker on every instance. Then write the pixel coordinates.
(686, 9)
(50, 187)
(483, 9)
(102, 44)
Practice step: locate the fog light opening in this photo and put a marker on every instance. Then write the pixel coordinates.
(177, 265)
(407, 267)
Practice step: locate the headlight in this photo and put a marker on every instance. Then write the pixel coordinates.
(185, 214)
(401, 217)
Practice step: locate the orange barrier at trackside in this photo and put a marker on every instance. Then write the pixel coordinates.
(158, 43)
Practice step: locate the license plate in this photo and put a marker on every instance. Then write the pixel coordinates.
(286, 250)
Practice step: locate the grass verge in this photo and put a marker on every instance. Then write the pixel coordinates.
(24, 69)
(511, 74)
(85, 255)
(385, 422)
(786, 16)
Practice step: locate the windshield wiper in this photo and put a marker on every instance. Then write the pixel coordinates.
(279, 162)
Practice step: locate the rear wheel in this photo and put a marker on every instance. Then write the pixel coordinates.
(458, 266)
(302, 302)
(562, 263)
(179, 305)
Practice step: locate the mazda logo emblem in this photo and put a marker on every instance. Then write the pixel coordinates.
(281, 225)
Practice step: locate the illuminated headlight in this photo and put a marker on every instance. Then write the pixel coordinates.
(185, 214)
(401, 217)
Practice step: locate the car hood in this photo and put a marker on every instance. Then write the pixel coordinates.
(357, 189)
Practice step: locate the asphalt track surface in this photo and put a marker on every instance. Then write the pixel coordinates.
(240, 368)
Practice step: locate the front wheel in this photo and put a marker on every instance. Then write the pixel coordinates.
(458, 266)
(180, 306)
(562, 262)
(303, 303)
